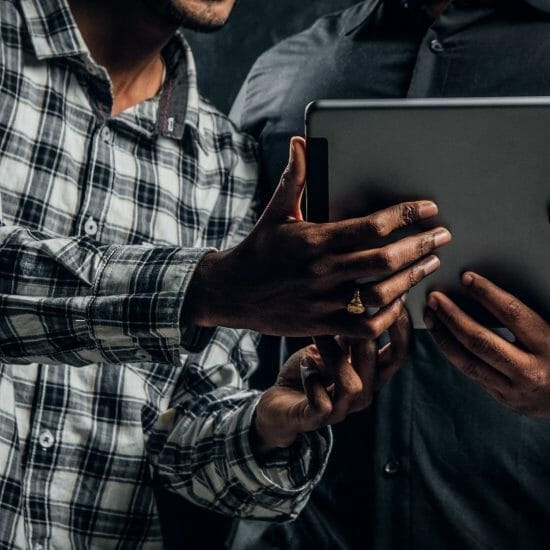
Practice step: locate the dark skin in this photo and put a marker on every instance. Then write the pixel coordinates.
(516, 374)
(289, 277)
(322, 384)
(127, 37)
(293, 277)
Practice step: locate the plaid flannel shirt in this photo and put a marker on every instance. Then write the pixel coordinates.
(103, 222)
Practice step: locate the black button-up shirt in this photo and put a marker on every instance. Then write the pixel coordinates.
(436, 463)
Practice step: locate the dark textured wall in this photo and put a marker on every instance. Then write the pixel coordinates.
(224, 57)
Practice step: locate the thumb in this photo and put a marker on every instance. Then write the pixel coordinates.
(287, 198)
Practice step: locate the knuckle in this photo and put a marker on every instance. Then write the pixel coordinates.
(471, 370)
(324, 410)
(318, 269)
(312, 240)
(403, 319)
(387, 259)
(376, 226)
(416, 274)
(513, 310)
(373, 328)
(426, 244)
(356, 389)
(310, 352)
(350, 388)
(378, 295)
(537, 377)
(481, 344)
(408, 213)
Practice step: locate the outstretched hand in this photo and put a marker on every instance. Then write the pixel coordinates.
(290, 277)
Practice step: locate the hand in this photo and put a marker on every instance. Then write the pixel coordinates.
(516, 374)
(323, 383)
(294, 278)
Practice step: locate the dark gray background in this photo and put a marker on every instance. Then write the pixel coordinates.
(225, 56)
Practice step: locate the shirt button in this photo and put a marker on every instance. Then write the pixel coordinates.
(91, 68)
(436, 46)
(392, 468)
(106, 134)
(142, 356)
(38, 546)
(46, 439)
(90, 227)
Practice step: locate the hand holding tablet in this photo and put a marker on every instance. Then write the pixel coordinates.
(484, 162)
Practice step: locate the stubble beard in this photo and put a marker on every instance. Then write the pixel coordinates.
(176, 15)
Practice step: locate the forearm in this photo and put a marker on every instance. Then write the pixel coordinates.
(75, 301)
(207, 458)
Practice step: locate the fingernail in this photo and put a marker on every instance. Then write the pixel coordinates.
(432, 303)
(432, 264)
(427, 209)
(428, 320)
(467, 278)
(404, 297)
(442, 236)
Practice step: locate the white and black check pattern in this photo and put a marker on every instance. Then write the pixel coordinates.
(103, 222)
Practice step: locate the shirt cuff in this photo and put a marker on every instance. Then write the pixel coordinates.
(283, 483)
(136, 311)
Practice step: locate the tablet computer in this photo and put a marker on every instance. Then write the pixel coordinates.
(485, 162)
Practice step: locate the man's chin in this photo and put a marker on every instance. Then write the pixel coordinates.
(204, 28)
(197, 16)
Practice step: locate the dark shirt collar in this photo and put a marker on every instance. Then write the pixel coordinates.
(368, 8)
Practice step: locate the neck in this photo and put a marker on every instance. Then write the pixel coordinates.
(126, 39)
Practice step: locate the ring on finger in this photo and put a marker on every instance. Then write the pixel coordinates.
(355, 305)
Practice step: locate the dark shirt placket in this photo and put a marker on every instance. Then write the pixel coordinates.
(440, 464)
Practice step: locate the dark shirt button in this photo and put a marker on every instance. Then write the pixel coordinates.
(392, 468)
(436, 46)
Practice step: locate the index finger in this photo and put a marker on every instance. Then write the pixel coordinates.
(526, 325)
(347, 383)
(396, 353)
(364, 355)
(354, 233)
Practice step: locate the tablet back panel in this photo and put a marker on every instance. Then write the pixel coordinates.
(485, 162)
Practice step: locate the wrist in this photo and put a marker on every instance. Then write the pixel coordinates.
(262, 446)
(200, 305)
(268, 435)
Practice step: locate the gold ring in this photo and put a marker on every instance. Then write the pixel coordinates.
(355, 306)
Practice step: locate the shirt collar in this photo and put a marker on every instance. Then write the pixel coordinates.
(52, 30)
(361, 14)
(358, 16)
(180, 98)
(54, 34)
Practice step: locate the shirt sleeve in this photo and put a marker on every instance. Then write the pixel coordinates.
(75, 301)
(200, 447)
